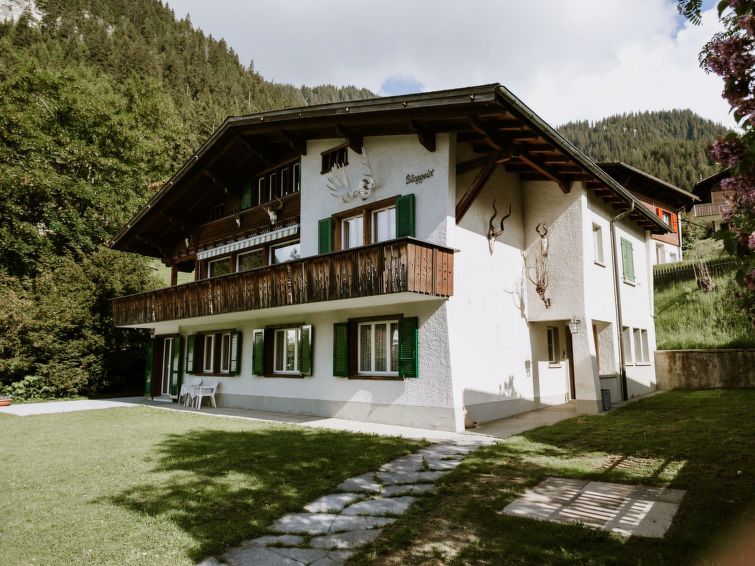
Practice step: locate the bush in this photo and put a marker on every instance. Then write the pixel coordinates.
(30, 387)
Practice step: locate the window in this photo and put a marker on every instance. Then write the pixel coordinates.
(642, 355)
(382, 348)
(250, 260)
(285, 252)
(219, 267)
(282, 351)
(626, 341)
(627, 260)
(262, 194)
(672, 257)
(272, 182)
(666, 217)
(216, 212)
(660, 256)
(225, 352)
(286, 351)
(384, 224)
(208, 354)
(597, 244)
(554, 349)
(296, 174)
(378, 348)
(213, 353)
(336, 156)
(352, 232)
(285, 186)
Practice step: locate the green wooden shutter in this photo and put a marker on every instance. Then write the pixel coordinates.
(246, 195)
(148, 369)
(305, 350)
(190, 345)
(408, 347)
(341, 349)
(175, 367)
(258, 352)
(325, 236)
(405, 216)
(235, 358)
(627, 259)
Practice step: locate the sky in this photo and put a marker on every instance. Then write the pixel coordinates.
(566, 59)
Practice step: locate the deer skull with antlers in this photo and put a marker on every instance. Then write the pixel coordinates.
(493, 232)
(272, 211)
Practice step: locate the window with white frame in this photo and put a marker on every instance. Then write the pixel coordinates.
(626, 341)
(666, 217)
(250, 260)
(641, 353)
(554, 349)
(384, 224)
(208, 353)
(597, 244)
(225, 352)
(285, 252)
(219, 267)
(262, 193)
(352, 232)
(286, 350)
(378, 348)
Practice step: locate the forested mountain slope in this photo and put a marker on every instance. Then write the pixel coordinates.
(668, 144)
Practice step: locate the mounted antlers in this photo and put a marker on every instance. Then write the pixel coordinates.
(493, 233)
(272, 211)
(339, 186)
(538, 273)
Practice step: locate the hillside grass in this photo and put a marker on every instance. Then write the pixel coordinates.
(688, 318)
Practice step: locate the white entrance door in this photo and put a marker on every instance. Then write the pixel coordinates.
(167, 360)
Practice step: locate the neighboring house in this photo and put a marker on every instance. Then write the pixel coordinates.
(398, 260)
(709, 212)
(664, 199)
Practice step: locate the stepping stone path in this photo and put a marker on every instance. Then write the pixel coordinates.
(330, 528)
(627, 510)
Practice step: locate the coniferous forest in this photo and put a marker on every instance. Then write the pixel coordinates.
(100, 101)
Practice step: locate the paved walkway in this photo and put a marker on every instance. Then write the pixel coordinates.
(51, 407)
(331, 528)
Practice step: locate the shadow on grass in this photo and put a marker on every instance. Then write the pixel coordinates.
(221, 487)
(701, 442)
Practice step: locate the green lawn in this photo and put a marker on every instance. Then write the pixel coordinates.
(703, 442)
(147, 486)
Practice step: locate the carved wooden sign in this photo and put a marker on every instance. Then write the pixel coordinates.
(418, 179)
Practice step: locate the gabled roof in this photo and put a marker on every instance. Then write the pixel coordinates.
(489, 116)
(703, 188)
(639, 181)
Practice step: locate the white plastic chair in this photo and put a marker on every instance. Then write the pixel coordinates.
(187, 391)
(207, 390)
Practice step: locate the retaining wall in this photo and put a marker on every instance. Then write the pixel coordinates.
(705, 369)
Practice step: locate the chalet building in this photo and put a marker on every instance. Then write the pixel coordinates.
(710, 211)
(406, 260)
(664, 199)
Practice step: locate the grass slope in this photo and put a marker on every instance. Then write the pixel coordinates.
(698, 441)
(688, 318)
(146, 486)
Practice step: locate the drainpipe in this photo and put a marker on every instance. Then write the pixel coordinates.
(617, 298)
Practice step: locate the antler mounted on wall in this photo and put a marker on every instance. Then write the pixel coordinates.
(272, 211)
(339, 186)
(538, 274)
(493, 233)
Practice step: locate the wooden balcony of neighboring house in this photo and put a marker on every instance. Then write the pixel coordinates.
(398, 266)
(709, 209)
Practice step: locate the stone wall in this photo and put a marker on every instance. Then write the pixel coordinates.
(705, 369)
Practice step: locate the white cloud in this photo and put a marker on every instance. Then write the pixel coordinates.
(567, 59)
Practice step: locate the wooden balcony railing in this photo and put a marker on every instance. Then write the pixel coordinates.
(404, 265)
(714, 209)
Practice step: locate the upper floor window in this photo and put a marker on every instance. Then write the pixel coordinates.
(384, 224)
(216, 212)
(352, 232)
(336, 156)
(271, 184)
(597, 244)
(219, 267)
(627, 260)
(250, 260)
(285, 252)
(666, 217)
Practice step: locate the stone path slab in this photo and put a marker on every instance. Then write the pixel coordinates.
(53, 407)
(331, 527)
(628, 510)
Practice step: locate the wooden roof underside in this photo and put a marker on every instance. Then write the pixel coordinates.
(497, 125)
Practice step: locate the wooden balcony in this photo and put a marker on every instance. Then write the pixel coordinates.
(703, 210)
(398, 266)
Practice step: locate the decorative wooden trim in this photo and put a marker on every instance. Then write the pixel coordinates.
(540, 167)
(356, 140)
(479, 181)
